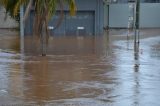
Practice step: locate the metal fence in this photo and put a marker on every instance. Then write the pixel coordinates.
(127, 1)
(121, 15)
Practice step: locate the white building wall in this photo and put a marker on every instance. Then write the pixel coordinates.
(8, 22)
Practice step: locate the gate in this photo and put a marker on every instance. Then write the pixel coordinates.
(81, 24)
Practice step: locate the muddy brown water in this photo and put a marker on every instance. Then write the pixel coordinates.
(80, 71)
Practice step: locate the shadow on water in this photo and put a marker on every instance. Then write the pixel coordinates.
(66, 45)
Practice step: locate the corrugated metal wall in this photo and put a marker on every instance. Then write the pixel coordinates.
(149, 15)
(89, 17)
(81, 24)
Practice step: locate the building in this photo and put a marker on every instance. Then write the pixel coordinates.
(88, 20)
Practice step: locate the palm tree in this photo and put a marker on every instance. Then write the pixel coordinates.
(44, 10)
(49, 6)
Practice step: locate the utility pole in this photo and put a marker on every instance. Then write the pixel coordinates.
(22, 29)
(136, 36)
(107, 4)
(136, 24)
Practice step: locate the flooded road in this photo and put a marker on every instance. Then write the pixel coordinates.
(80, 71)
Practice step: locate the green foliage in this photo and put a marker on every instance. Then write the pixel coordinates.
(12, 6)
(9, 6)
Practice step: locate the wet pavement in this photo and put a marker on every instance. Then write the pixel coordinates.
(81, 71)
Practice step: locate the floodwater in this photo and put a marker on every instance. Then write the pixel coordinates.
(81, 71)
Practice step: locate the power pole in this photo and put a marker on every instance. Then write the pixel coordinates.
(136, 24)
(136, 36)
(22, 29)
(108, 2)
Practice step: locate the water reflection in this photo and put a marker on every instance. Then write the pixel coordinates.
(136, 57)
(66, 77)
(37, 80)
(136, 88)
(85, 71)
(137, 85)
(73, 68)
(107, 42)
